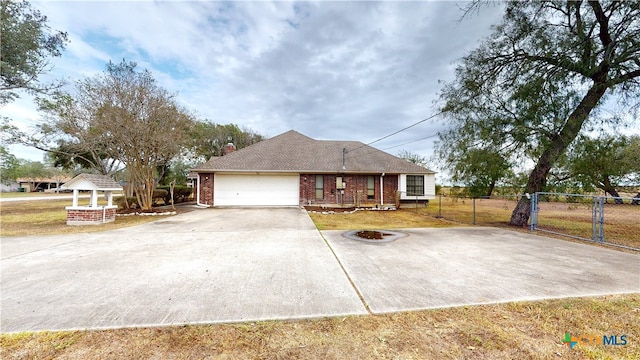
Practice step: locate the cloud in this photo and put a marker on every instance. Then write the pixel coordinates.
(331, 70)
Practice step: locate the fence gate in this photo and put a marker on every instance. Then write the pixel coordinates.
(583, 217)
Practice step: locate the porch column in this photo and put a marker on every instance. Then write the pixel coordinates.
(381, 189)
(94, 198)
(75, 197)
(109, 195)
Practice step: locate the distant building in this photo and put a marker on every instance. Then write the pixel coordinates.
(42, 184)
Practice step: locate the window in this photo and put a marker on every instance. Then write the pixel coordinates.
(371, 187)
(319, 187)
(415, 185)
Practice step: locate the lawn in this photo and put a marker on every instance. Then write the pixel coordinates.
(48, 217)
(376, 219)
(6, 195)
(520, 330)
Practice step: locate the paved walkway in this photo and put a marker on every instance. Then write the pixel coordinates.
(229, 265)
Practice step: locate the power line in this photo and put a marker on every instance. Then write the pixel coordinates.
(399, 131)
(410, 142)
(372, 150)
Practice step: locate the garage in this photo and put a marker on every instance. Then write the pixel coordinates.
(256, 190)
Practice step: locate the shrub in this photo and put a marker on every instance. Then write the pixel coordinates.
(180, 193)
(160, 194)
(131, 200)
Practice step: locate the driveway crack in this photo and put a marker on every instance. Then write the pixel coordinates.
(353, 284)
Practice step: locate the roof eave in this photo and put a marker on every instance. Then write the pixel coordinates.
(308, 171)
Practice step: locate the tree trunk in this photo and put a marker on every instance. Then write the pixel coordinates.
(491, 187)
(172, 186)
(559, 143)
(611, 190)
(522, 212)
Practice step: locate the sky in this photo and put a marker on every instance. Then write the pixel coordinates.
(330, 70)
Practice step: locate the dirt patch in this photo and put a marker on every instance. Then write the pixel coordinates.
(371, 234)
(374, 236)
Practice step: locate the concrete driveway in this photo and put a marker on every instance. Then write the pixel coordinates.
(433, 268)
(205, 266)
(228, 265)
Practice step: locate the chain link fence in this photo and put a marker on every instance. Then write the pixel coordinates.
(611, 221)
(607, 220)
(488, 211)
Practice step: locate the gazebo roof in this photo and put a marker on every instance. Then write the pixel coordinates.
(92, 182)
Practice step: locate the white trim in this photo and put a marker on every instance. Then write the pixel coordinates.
(381, 189)
(429, 187)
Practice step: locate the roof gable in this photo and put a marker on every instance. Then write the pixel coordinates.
(294, 152)
(92, 182)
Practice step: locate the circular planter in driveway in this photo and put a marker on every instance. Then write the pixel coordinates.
(374, 236)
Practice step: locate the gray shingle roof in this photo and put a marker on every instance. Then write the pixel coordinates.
(294, 152)
(92, 181)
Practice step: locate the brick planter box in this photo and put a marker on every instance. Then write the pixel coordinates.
(84, 215)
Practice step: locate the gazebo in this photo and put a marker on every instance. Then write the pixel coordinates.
(91, 214)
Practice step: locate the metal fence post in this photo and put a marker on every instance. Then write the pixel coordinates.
(597, 225)
(594, 221)
(474, 211)
(601, 220)
(534, 211)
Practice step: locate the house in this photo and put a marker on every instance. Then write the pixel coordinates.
(42, 184)
(292, 169)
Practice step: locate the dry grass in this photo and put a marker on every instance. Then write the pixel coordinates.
(523, 330)
(375, 220)
(21, 218)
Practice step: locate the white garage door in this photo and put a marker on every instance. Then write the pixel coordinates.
(256, 190)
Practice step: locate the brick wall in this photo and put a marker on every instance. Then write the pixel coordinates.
(88, 216)
(355, 191)
(206, 188)
(389, 188)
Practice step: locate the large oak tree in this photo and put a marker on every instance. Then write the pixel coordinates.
(532, 87)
